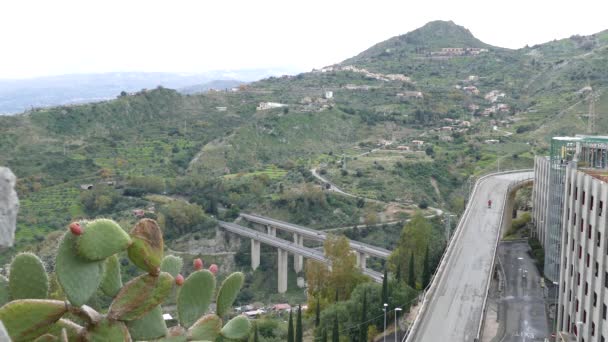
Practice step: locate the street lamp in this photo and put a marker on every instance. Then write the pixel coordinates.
(384, 309)
(396, 326)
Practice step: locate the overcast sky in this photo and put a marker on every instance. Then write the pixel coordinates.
(39, 38)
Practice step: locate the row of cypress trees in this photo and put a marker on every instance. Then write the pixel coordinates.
(295, 335)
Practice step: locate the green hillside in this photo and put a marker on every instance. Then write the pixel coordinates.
(473, 109)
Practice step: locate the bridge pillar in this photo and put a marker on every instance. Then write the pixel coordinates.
(271, 230)
(282, 257)
(361, 259)
(298, 260)
(255, 254)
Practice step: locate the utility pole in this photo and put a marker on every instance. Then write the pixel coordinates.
(591, 115)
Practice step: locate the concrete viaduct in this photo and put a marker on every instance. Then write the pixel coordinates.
(296, 247)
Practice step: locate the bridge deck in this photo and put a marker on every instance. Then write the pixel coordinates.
(288, 246)
(313, 234)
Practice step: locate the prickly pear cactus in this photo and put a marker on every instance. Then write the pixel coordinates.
(102, 238)
(83, 265)
(172, 265)
(146, 251)
(207, 328)
(26, 319)
(27, 278)
(107, 330)
(228, 291)
(4, 295)
(150, 326)
(195, 296)
(111, 282)
(237, 328)
(140, 295)
(78, 276)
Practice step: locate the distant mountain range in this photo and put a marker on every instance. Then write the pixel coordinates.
(23, 94)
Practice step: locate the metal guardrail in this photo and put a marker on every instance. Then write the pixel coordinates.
(316, 235)
(429, 291)
(290, 246)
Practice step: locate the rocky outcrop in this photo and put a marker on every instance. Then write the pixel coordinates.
(9, 206)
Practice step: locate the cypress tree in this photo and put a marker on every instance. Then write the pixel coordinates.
(318, 313)
(363, 326)
(385, 287)
(426, 271)
(290, 335)
(336, 333)
(324, 337)
(255, 334)
(398, 272)
(299, 333)
(411, 279)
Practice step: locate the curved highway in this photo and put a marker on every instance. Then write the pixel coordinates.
(315, 235)
(289, 246)
(453, 306)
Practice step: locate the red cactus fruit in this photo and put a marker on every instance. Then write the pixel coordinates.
(213, 269)
(75, 228)
(198, 264)
(179, 280)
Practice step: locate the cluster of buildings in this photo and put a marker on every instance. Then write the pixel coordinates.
(458, 51)
(366, 73)
(570, 197)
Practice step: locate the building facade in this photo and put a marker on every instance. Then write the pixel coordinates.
(540, 197)
(583, 293)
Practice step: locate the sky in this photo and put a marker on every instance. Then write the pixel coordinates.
(42, 38)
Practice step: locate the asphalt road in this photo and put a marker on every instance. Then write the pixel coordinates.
(522, 306)
(453, 313)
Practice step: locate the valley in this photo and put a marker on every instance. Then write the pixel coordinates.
(380, 148)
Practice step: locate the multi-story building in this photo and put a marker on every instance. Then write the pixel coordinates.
(540, 197)
(583, 276)
(548, 199)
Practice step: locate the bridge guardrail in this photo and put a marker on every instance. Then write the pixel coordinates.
(429, 291)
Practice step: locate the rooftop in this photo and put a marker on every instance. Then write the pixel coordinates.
(600, 174)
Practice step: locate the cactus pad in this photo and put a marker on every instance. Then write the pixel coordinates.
(194, 297)
(146, 251)
(102, 238)
(228, 291)
(111, 281)
(27, 278)
(140, 295)
(4, 295)
(149, 326)
(237, 328)
(78, 277)
(172, 265)
(72, 329)
(26, 319)
(107, 330)
(206, 328)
